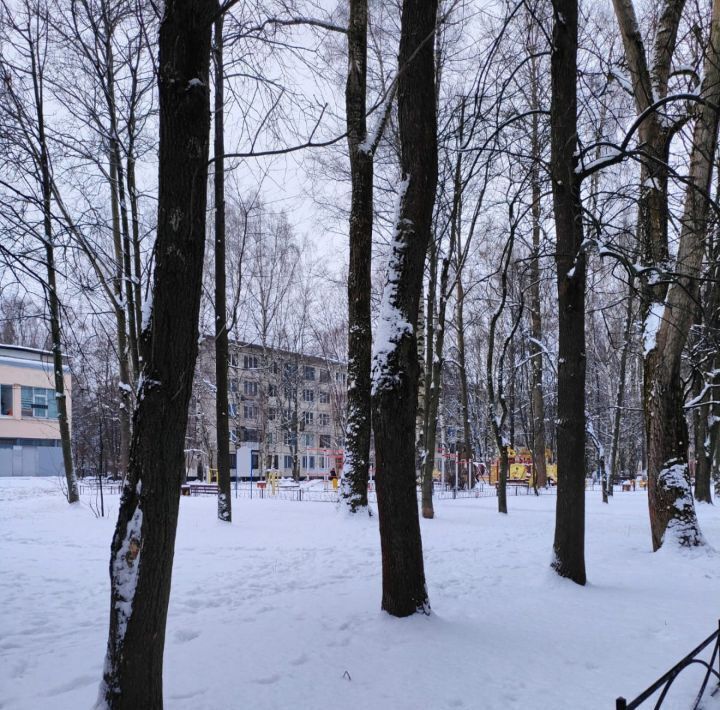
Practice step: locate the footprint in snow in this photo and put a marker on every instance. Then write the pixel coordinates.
(185, 635)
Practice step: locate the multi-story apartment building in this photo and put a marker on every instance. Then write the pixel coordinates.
(29, 428)
(286, 410)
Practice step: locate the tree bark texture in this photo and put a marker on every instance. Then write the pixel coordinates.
(569, 543)
(669, 495)
(222, 355)
(143, 544)
(395, 364)
(359, 407)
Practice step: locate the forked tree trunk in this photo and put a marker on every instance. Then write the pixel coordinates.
(667, 327)
(144, 541)
(569, 544)
(395, 364)
(224, 509)
(356, 466)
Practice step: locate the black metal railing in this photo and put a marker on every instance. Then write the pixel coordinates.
(665, 682)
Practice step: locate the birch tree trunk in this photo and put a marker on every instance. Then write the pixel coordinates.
(143, 544)
(356, 466)
(569, 544)
(395, 364)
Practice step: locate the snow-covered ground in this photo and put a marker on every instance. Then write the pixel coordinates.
(281, 608)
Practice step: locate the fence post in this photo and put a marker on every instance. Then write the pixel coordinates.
(621, 704)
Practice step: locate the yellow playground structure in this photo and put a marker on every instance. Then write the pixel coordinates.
(521, 466)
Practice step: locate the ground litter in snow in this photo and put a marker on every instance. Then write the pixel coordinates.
(280, 609)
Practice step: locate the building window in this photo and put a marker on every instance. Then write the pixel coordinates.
(233, 360)
(250, 389)
(287, 462)
(340, 377)
(308, 462)
(309, 372)
(324, 441)
(6, 400)
(324, 398)
(308, 395)
(324, 375)
(323, 419)
(322, 462)
(289, 438)
(232, 411)
(38, 402)
(270, 437)
(234, 386)
(275, 367)
(272, 390)
(309, 439)
(308, 418)
(272, 414)
(250, 411)
(250, 362)
(244, 434)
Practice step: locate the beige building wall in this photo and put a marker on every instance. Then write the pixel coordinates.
(29, 375)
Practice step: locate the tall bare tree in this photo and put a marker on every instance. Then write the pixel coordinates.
(395, 361)
(569, 544)
(143, 544)
(357, 441)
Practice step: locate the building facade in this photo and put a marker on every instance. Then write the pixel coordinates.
(286, 412)
(29, 428)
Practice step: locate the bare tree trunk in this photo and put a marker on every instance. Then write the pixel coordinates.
(669, 495)
(121, 229)
(701, 441)
(222, 354)
(52, 297)
(620, 395)
(569, 544)
(537, 401)
(143, 544)
(467, 448)
(395, 365)
(357, 439)
(432, 392)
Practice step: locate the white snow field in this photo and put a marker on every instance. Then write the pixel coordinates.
(281, 609)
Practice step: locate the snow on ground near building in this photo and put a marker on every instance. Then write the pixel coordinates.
(271, 611)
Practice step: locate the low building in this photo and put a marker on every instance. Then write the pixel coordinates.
(286, 412)
(29, 428)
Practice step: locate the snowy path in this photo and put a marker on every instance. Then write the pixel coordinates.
(270, 612)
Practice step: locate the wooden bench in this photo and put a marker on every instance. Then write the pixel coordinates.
(196, 489)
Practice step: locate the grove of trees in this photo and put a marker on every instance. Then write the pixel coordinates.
(505, 219)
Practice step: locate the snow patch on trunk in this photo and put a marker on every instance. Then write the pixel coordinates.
(392, 324)
(651, 326)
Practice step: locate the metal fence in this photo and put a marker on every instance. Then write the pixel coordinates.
(317, 495)
(664, 683)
